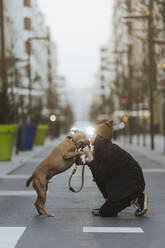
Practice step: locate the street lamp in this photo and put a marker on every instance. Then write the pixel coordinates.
(163, 67)
(29, 70)
(53, 118)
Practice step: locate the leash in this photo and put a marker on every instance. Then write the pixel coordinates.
(82, 180)
(74, 171)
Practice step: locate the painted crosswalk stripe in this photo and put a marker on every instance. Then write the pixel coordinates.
(113, 230)
(17, 193)
(9, 236)
(158, 170)
(15, 176)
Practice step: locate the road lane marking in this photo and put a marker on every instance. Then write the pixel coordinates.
(113, 230)
(15, 176)
(158, 170)
(17, 193)
(9, 236)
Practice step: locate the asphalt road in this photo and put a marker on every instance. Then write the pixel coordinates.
(21, 227)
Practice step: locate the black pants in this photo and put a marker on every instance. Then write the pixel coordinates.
(112, 208)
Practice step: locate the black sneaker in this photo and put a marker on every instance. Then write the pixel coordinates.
(141, 204)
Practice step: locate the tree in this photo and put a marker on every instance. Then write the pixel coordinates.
(8, 109)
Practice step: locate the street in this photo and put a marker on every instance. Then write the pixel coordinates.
(97, 67)
(73, 212)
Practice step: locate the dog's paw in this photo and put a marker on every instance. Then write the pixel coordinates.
(51, 215)
(81, 152)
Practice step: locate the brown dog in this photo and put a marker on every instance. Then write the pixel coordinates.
(61, 158)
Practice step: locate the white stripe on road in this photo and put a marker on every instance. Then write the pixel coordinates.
(15, 176)
(17, 193)
(159, 170)
(113, 230)
(9, 236)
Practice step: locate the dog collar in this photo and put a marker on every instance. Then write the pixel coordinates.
(81, 147)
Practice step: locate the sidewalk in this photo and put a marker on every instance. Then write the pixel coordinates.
(155, 155)
(7, 167)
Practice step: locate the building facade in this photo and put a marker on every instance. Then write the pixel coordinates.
(31, 56)
(131, 46)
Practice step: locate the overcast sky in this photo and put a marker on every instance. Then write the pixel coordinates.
(80, 28)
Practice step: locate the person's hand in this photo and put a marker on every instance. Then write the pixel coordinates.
(85, 149)
(88, 154)
(93, 139)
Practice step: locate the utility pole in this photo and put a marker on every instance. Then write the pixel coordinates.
(130, 73)
(151, 69)
(163, 67)
(49, 76)
(30, 82)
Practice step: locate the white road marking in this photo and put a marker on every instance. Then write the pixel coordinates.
(15, 176)
(113, 230)
(146, 170)
(159, 170)
(17, 193)
(9, 236)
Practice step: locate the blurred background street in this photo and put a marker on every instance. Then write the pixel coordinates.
(75, 64)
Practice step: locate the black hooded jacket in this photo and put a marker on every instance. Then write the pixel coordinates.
(116, 172)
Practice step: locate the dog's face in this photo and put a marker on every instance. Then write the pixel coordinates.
(80, 138)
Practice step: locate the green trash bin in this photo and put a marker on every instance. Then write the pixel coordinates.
(40, 134)
(7, 141)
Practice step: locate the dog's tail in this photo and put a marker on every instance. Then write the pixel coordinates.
(29, 181)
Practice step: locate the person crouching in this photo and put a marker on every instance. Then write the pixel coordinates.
(117, 174)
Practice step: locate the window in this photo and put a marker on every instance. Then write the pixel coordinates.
(27, 3)
(27, 23)
(28, 47)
